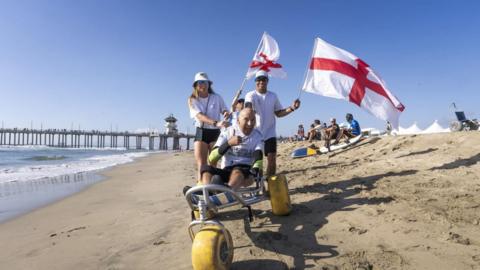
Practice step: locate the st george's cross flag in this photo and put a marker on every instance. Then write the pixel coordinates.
(266, 58)
(336, 73)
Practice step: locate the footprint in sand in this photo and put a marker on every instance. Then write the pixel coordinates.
(69, 231)
(76, 229)
(357, 230)
(328, 267)
(456, 238)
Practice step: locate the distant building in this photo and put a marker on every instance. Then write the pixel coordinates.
(170, 125)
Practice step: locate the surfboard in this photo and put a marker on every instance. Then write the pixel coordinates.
(304, 152)
(340, 145)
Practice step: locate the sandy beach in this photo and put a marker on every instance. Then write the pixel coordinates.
(404, 202)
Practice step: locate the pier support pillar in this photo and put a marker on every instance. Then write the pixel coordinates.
(176, 143)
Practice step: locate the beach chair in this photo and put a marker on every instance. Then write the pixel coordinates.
(462, 123)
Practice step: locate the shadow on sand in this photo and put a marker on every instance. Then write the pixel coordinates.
(297, 235)
(259, 264)
(429, 150)
(467, 162)
(319, 167)
(359, 144)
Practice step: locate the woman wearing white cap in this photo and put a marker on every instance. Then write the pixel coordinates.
(208, 109)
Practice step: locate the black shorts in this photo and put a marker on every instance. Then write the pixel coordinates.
(227, 171)
(270, 145)
(206, 135)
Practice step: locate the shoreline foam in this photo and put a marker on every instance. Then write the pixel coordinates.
(23, 195)
(53, 164)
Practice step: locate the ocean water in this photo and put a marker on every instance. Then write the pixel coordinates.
(29, 163)
(31, 177)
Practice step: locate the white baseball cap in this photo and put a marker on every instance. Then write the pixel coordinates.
(201, 76)
(261, 73)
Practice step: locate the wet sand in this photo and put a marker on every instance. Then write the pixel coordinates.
(136, 219)
(405, 202)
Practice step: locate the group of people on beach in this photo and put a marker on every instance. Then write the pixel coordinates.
(313, 133)
(242, 135)
(319, 131)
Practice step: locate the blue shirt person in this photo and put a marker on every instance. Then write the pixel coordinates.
(354, 127)
(352, 131)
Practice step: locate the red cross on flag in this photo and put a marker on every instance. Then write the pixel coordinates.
(266, 58)
(336, 73)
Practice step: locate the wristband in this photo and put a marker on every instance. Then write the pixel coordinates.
(215, 123)
(223, 148)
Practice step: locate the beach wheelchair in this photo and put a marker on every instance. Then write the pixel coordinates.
(212, 247)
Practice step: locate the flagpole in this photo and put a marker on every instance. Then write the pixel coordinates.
(308, 67)
(239, 92)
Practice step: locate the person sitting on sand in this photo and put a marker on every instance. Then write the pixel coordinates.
(241, 149)
(300, 133)
(353, 129)
(331, 132)
(314, 133)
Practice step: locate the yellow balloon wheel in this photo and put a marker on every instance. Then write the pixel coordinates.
(211, 250)
(279, 197)
(210, 214)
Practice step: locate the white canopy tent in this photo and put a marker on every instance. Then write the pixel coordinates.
(413, 129)
(435, 128)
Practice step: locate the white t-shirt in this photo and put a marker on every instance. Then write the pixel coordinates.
(216, 106)
(242, 153)
(234, 119)
(265, 106)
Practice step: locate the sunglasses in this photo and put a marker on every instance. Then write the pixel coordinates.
(261, 79)
(201, 82)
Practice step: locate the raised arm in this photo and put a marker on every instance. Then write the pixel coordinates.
(288, 110)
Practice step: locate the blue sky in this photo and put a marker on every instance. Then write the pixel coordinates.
(128, 64)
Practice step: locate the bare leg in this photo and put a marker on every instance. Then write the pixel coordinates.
(311, 135)
(348, 136)
(236, 179)
(340, 135)
(271, 164)
(206, 178)
(201, 154)
(327, 139)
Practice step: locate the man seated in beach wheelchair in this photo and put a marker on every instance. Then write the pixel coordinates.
(241, 149)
